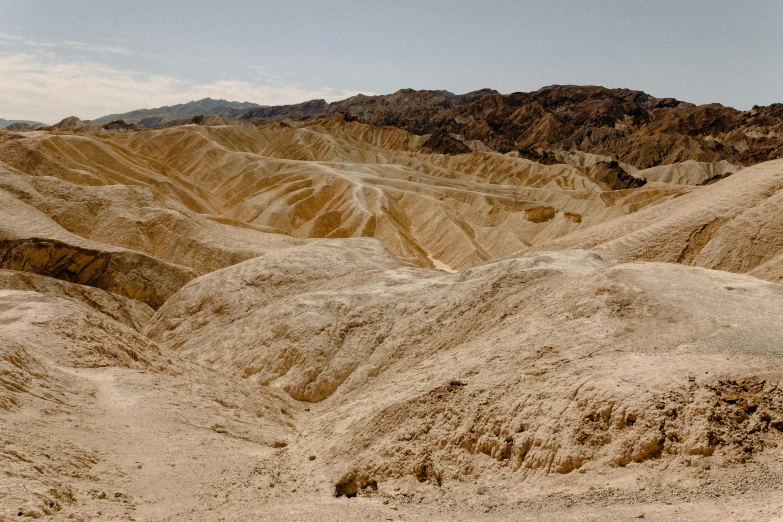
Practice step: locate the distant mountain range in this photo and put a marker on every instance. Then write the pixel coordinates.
(623, 125)
(6, 123)
(631, 126)
(174, 113)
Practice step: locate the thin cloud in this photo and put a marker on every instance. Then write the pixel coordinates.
(29, 45)
(84, 46)
(10, 39)
(263, 72)
(45, 88)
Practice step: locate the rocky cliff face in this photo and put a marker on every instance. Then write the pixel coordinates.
(627, 125)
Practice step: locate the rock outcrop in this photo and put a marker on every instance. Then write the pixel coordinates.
(629, 126)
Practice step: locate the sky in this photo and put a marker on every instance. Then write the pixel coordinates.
(90, 58)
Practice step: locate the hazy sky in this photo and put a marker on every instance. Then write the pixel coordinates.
(94, 57)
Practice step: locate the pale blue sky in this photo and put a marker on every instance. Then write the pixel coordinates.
(92, 57)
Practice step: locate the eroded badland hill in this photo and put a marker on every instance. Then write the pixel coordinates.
(548, 306)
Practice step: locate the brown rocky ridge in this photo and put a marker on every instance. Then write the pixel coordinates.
(629, 126)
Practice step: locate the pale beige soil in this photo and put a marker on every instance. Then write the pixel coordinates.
(157, 465)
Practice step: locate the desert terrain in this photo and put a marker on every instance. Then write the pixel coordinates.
(560, 305)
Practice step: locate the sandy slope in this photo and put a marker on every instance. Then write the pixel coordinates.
(733, 225)
(420, 352)
(548, 384)
(96, 418)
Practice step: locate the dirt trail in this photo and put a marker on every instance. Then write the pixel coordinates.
(162, 460)
(161, 456)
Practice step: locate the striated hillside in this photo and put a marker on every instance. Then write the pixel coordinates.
(735, 225)
(326, 179)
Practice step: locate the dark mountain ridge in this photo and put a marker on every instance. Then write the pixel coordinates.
(171, 113)
(8, 123)
(627, 125)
